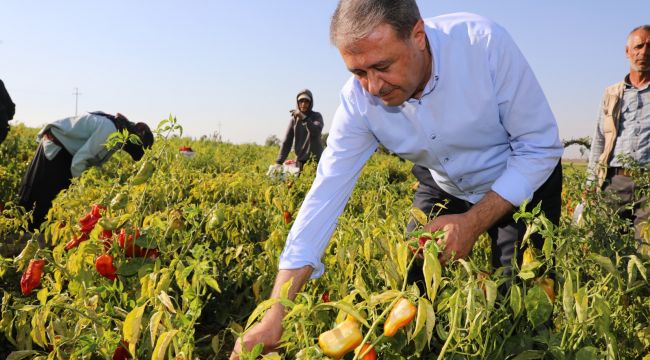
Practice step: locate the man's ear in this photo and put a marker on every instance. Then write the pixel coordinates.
(418, 35)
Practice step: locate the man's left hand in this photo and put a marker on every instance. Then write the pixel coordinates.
(460, 236)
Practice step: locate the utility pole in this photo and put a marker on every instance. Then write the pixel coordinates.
(76, 93)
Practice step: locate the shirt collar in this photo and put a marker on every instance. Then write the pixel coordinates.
(628, 84)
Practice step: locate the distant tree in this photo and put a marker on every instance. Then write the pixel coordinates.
(272, 140)
(583, 142)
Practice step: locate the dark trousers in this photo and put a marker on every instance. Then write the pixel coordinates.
(624, 189)
(506, 234)
(42, 182)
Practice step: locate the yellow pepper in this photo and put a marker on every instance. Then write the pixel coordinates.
(342, 339)
(401, 315)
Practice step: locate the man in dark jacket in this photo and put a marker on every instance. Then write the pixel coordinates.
(7, 111)
(304, 131)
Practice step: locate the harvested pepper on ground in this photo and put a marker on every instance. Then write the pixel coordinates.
(32, 276)
(401, 315)
(105, 267)
(341, 339)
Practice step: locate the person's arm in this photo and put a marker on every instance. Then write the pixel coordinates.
(269, 330)
(464, 229)
(6, 102)
(596, 150)
(350, 145)
(527, 118)
(93, 150)
(286, 144)
(4, 126)
(533, 137)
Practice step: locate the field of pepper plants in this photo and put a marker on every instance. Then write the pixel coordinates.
(174, 257)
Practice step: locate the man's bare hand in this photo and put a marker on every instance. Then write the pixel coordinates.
(267, 332)
(460, 236)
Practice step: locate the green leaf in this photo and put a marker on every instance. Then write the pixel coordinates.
(160, 350)
(530, 355)
(419, 216)
(132, 267)
(132, 327)
(538, 306)
(582, 304)
(490, 292)
(345, 307)
(153, 325)
(211, 282)
(587, 353)
(567, 295)
(432, 272)
(515, 299)
(22, 354)
(260, 309)
(605, 263)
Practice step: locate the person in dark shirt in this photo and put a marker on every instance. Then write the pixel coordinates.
(304, 132)
(7, 111)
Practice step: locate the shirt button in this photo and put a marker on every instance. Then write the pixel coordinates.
(446, 159)
(460, 180)
(433, 136)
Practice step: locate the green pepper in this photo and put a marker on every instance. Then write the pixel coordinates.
(145, 172)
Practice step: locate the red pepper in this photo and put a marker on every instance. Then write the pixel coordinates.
(370, 355)
(105, 267)
(286, 216)
(106, 237)
(76, 241)
(401, 315)
(127, 242)
(88, 222)
(32, 276)
(122, 352)
(326, 296)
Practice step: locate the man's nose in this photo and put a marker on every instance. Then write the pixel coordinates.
(375, 83)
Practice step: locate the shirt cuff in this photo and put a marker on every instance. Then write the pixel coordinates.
(513, 187)
(286, 264)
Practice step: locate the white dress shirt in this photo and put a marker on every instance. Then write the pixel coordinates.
(482, 124)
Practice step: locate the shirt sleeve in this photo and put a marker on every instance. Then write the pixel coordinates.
(528, 119)
(285, 148)
(597, 147)
(349, 145)
(93, 151)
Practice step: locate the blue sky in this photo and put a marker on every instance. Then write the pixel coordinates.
(236, 66)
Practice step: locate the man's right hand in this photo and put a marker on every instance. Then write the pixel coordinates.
(267, 332)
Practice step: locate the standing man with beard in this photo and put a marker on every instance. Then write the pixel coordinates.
(454, 95)
(623, 130)
(304, 132)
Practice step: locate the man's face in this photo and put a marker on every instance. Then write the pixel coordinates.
(388, 67)
(638, 51)
(303, 105)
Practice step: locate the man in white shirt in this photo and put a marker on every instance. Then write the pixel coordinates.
(454, 95)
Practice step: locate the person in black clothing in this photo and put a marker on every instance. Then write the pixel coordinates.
(69, 146)
(304, 132)
(7, 111)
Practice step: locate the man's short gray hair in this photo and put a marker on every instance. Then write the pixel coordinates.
(642, 27)
(355, 19)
